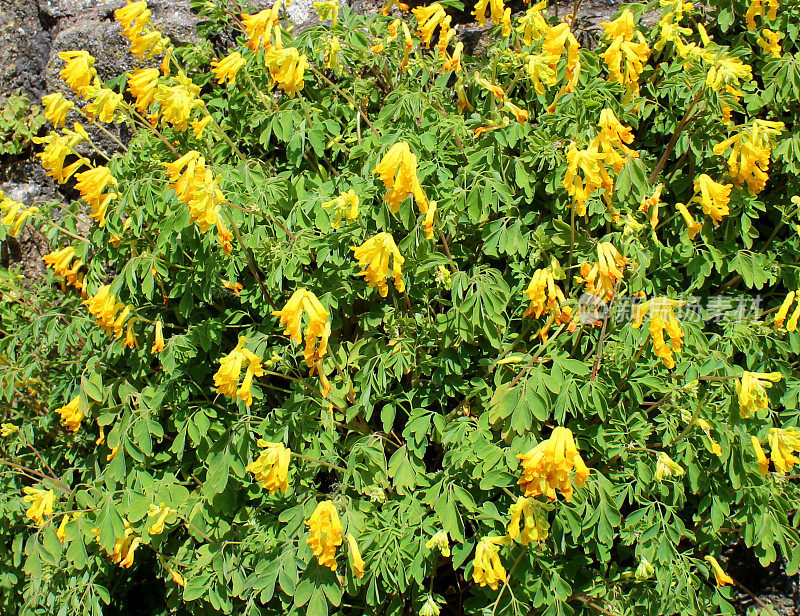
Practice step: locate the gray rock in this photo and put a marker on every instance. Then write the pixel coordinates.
(24, 47)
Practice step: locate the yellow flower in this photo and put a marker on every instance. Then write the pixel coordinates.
(390, 3)
(161, 513)
(71, 416)
(589, 162)
(158, 340)
(645, 570)
(55, 108)
(130, 335)
(520, 114)
(428, 18)
(227, 67)
(614, 136)
(496, 90)
(751, 389)
(506, 23)
(750, 153)
(142, 85)
(543, 294)
(61, 531)
(666, 467)
(441, 542)
(226, 378)
(176, 577)
(547, 466)
(533, 517)
(757, 8)
(622, 26)
(272, 466)
(91, 185)
(726, 74)
(329, 9)
(344, 206)
(669, 25)
(286, 67)
(623, 49)
(722, 578)
(783, 311)
(104, 103)
(148, 44)
(783, 442)
(259, 27)
(601, 277)
(533, 24)
(430, 607)
(355, 554)
(714, 197)
(662, 318)
(463, 101)
(427, 222)
(761, 457)
(318, 324)
(41, 504)
(398, 172)
(7, 429)
(769, 41)
(199, 126)
(178, 101)
(692, 226)
(15, 215)
(133, 18)
(124, 548)
(487, 570)
(497, 9)
(52, 158)
(78, 72)
(325, 533)
(373, 257)
(333, 55)
(104, 307)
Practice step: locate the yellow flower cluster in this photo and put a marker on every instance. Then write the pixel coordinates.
(756, 8)
(287, 68)
(668, 26)
(71, 416)
(197, 187)
(398, 172)
(751, 390)
(783, 312)
(56, 108)
(124, 547)
(609, 147)
(627, 53)
(134, 18)
(713, 197)
(91, 184)
(318, 328)
(662, 318)
(497, 10)
(751, 149)
(325, 533)
(57, 148)
(783, 443)
(373, 257)
(429, 18)
(261, 27)
(547, 466)
(441, 542)
(546, 297)
(142, 85)
(15, 214)
(226, 379)
(176, 102)
(104, 307)
(163, 515)
(7, 429)
(271, 467)
(66, 265)
(41, 504)
(528, 521)
(344, 206)
(666, 467)
(78, 72)
(487, 570)
(227, 67)
(601, 278)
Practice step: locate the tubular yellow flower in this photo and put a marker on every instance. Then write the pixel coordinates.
(487, 570)
(133, 18)
(721, 577)
(428, 18)
(344, 206)
(783, 442)
(271, 467)
(533, 25)
(142, 85)
(125, 547)
(714, 197)
(226, 378)
(287, 68)
(41, 504)
(91, 185)
(441, 542)
(751, 149)
(71, 416)
(318, 328)
(388, 7)
(259, 27)
(662, 318)
(57, 148)
(601, 277)
(7, 429)
(692, 226)
(104, 307)
(761, 457)
(546, 468)
(325, 533)
(453, 63)
(373, 257)
(783, 311)
(520, 114)
(614, 136)
(463, 101)
(590, 163)
(176, 577)
(61, 531)
(15, 215)
(55, 108)
(227, 67)
(78, 72)
(148, 44)
(533, 517)
(427, 223)
(398, 172)
(496, 7)
(104, 103)
(751, 389)
(158, 339)
(161, 513)
(199, 126)
(544, 294)
(329, 9)
(355, 554)
(666, 467)
(623, 50)
(130, 335)
(178, 101)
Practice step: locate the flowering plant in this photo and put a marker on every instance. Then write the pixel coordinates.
(228, 398)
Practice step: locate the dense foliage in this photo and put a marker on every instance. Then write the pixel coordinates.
(357, 323)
